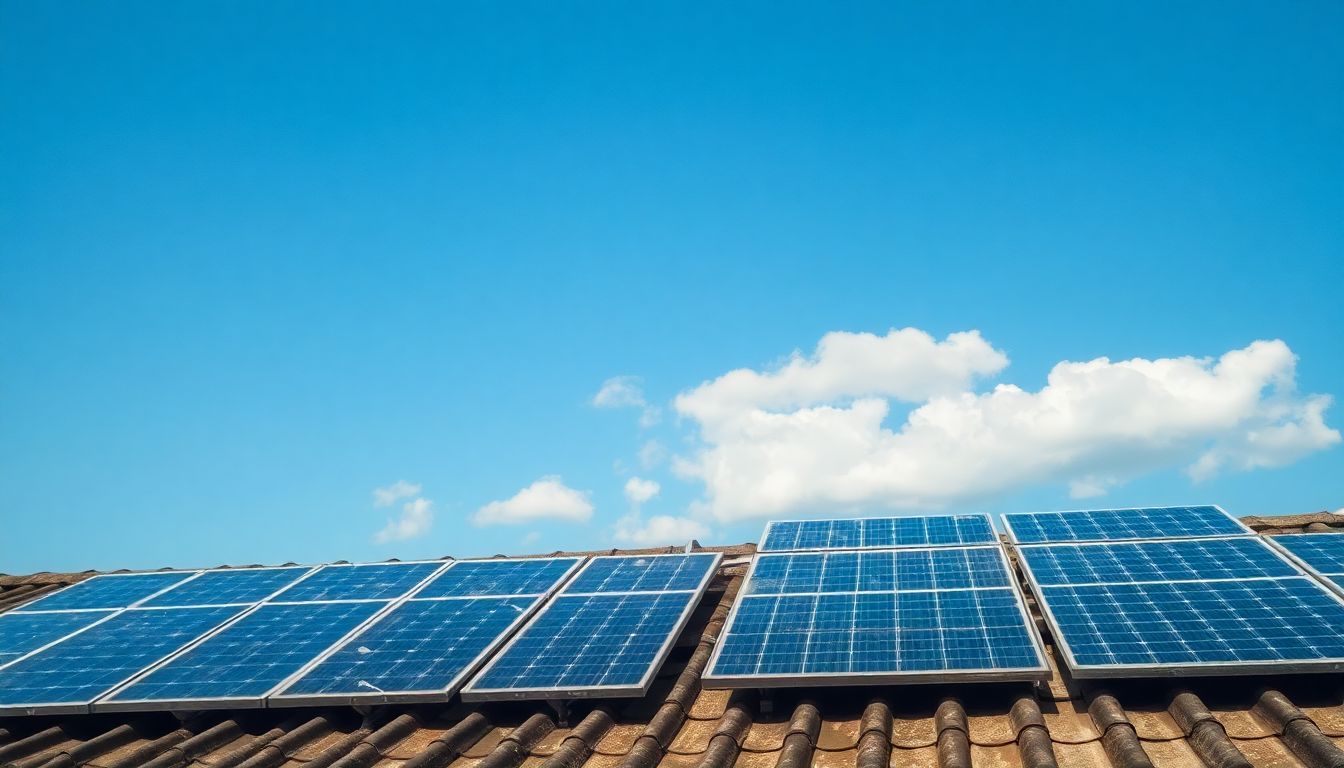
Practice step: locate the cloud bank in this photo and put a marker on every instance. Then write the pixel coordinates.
(812, 435)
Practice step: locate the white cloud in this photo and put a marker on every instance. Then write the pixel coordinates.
(546, 499)
(658, 530)
(415, 520)
(651, 454)
(386, 497)
(810, 436)
(638, 490)
(626, 392)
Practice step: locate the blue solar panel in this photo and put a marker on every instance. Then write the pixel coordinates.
(877, 533)
(477, 578)
(359, 582)
(1321, 552)
(82, 667)
(1122, 524)
(1199, 624)
(246, 660)
(108, 591)
(605, 634)
(877, 617)
(884, 571)
(237, 586)
(1177, 560)
(422, 646)
(643, 574)
(23, 633)
(612, 641)
(874, 634)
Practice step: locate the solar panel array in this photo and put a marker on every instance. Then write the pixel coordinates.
(1320, 553)
(1178, 602)
(266, 636)
(605, 634)
(875, 616)
(877, 533)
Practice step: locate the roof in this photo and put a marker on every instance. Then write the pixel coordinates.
(1265, 721)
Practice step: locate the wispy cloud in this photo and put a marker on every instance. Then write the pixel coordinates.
(389, 495)
(546, 499)
(627, 392)
(415, 520)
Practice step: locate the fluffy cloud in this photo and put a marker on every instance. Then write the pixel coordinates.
(638, 490)
(415, 520)
(546, 499)
(386, 497)
(626, 392)
(658, 530)
(812, 434)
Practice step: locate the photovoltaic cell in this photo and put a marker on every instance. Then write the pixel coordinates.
(1177, 560)
(383, 581)
(586, 641)
(250, 657)
(877, 533)
(498, 578)
(1200, 624)
(882, 571)
(423, 648)
(605, 634)
(424, 645)
(1321, 552)
(643, 574)
(877, 634)
(877, 617)
(83, 667)
(23, 633)
(108, 591)
(1122, 524)
(228, 587)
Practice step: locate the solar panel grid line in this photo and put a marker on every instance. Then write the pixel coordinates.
(1039, 671)
(868, 533)
(1328, 569)
(321, 571)
(164, 599)
(20, 656)
(940, 567)
(1230, 523)
(1249, 544)
(1116, 621)
(102, 578)
(212, 617)
(278, 697)
(106, 703)
(471, 693)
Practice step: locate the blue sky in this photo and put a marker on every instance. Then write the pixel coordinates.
(258, 260)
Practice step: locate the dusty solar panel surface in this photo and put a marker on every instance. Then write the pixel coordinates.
(605, 633)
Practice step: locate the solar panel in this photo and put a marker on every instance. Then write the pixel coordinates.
(236, 586)
(1191, 607)
(877, 533)
(66, 676)
(374, 581)
(869, 618)
(239, 665)
(23, 633)
(1320, 553)
(424, 648)
(605, 634)
(1122, 524)
(113, 590)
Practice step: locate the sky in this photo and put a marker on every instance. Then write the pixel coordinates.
(299, 281)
